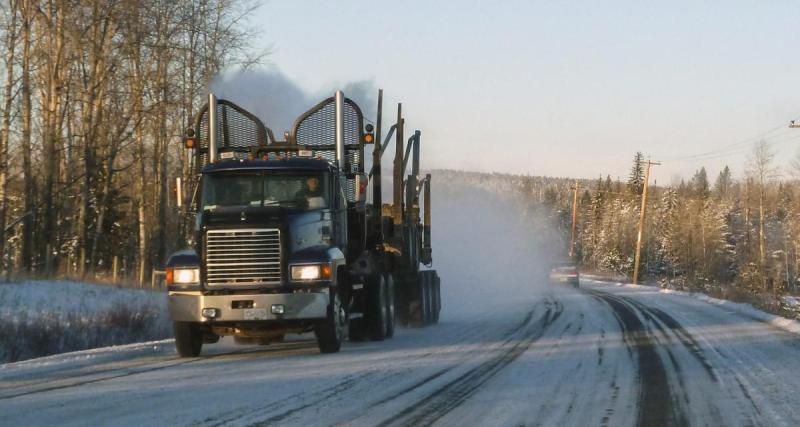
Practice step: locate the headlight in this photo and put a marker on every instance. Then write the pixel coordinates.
(183, 276)
(311, 272)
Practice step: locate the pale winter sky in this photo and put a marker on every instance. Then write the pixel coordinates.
(561, 88)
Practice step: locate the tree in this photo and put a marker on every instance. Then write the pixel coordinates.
(762, 170)
(699, 184)
(636, 177)
(5, 134)
(722, 186)
(96, 93)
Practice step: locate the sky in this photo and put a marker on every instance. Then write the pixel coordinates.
(558, 88)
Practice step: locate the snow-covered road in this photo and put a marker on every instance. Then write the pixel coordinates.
(602, 355)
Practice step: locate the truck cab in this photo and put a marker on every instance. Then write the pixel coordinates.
(270, 237)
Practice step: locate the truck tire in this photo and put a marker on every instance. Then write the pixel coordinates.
(418, 301)
(377, 311)
(390, 306)
(437, 307)
(435, 297)
(428, 297)
(188, 338)
(329, 333)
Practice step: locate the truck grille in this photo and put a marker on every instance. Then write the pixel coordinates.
(243, 257)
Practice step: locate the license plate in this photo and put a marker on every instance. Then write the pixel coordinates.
(255, 314)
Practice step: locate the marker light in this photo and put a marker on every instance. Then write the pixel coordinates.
(278, 309)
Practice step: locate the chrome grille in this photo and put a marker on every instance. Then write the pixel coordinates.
(250, 256)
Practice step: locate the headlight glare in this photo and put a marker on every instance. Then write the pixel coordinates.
(305, 272)
(311, 272)
(185, 276)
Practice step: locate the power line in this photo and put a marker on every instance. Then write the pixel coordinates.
(731, 151)
(721, 151)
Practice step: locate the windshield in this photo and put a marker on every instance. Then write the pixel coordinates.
(258, 189)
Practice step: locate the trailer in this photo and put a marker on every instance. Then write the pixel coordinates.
(285, 240)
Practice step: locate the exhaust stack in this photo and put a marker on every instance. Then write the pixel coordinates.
(340, 157)
(212, 128)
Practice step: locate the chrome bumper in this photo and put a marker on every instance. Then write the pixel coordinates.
(188, 306)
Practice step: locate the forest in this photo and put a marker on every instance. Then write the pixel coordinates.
(717, 234)
(95, 98)
(735, 238)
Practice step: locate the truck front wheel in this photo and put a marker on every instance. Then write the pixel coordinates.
(329, 333)
(188, 338)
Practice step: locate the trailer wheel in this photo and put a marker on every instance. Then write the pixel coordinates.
(329, 333)
(390, 306)
(418, 301)
(188, 338)
(428, 298)
(437, 297)
(377, 309)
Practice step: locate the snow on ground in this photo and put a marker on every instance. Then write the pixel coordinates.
(789, 325)
(46, 317)
(721, 359)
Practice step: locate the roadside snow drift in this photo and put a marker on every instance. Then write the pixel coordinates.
(39, 318)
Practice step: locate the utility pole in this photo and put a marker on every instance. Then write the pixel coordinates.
(574, 220)
(641, 222)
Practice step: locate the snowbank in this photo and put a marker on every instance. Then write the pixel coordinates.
(39, 318)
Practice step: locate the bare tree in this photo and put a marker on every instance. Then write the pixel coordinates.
(97, 92)
(763, 171)
(5, 133)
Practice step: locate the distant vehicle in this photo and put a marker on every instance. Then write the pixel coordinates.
(565, 272)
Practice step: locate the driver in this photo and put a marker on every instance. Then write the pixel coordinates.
(310, 190)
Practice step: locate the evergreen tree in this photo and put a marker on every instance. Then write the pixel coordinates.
(665, 234)
(722, 187)
(699, 184)
(636, 178)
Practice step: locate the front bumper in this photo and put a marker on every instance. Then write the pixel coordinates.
(188, 306)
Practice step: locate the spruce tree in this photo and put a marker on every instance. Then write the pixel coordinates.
(636, 178)
(722, 187)
(700, 184)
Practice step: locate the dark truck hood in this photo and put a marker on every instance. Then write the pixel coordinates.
(243, 217)
(299, 229)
